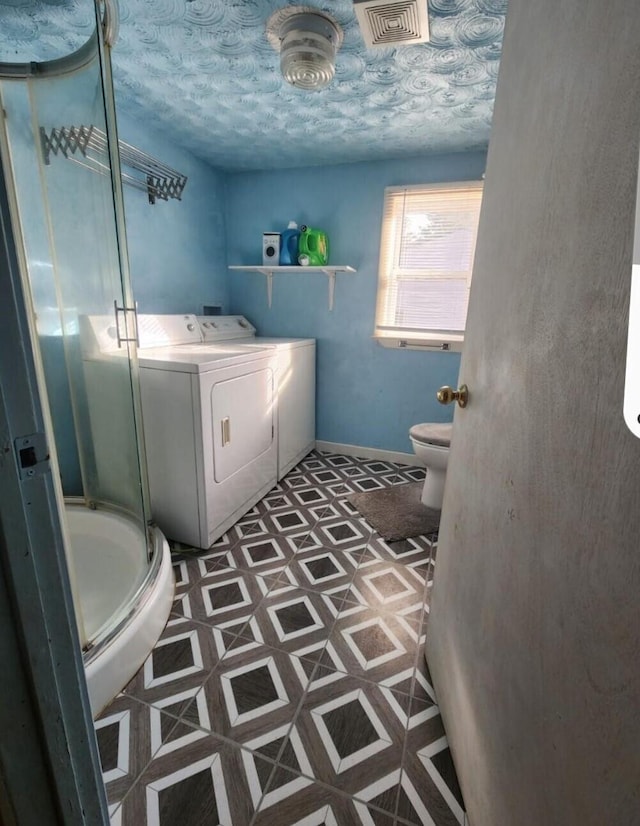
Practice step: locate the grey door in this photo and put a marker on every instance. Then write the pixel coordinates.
(534, 634)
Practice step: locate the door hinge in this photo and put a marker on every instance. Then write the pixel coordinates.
(32, 455)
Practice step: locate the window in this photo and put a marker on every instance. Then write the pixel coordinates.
(426, 258)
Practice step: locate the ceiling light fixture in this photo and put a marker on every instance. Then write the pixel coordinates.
(308, 41)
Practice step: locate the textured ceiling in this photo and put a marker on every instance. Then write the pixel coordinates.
(203, 72)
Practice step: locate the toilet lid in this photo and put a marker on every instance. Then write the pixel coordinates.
(432, 433)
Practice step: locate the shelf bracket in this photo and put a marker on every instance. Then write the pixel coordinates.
(332, 286)
(269, 275)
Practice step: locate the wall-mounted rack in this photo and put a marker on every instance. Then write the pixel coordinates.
(87, 146)
(328, 270)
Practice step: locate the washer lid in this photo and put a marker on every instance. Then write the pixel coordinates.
(278, 343)
(200, 358)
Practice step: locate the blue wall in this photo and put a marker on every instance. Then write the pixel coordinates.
(367, 395)
(179, 251)
(176, 248)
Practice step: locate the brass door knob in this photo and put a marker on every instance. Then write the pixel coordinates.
(447, 395)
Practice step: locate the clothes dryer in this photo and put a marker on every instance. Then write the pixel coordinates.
(295, 378)
(209, 416)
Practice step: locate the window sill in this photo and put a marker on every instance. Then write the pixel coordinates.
(451, 344)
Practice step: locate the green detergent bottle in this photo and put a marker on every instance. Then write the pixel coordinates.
(313, 247)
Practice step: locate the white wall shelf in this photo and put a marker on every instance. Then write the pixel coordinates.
(328, 270)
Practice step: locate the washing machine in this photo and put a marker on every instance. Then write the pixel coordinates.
(295, 378)
(209, 415)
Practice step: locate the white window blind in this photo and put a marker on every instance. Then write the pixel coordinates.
(426, 259)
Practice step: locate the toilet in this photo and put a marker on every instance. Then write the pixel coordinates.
(431, 442)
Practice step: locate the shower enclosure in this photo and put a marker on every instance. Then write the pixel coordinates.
(69, 221)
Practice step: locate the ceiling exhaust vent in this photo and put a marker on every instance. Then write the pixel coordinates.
(392, 22)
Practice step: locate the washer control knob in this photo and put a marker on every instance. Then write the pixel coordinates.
(242, 322)
(191, 327)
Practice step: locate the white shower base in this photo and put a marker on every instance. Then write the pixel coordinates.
(114, 581)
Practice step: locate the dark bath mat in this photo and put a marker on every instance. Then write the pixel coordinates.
(397, 512)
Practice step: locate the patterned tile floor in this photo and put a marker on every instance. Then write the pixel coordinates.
(289, 685)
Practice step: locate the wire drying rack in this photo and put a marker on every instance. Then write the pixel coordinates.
(87, 146)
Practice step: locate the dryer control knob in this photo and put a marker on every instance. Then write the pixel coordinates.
(242, 322)
(191, 327)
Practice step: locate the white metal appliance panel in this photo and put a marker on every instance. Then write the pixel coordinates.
(251, 467)
(215, 329)
(296, 405)
(243, 424)
(198, 358)
(171, 439)
(167, 330)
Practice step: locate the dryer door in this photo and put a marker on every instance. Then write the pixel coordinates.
(242, 420)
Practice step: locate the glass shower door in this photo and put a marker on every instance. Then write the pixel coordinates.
(72, 224)
(95, 310)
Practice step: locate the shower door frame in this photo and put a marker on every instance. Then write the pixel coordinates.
(54, 770)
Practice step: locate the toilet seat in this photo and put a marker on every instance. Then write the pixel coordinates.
(431, 442)
(432, 434)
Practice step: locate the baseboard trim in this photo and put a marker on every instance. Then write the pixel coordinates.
(370, 453)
